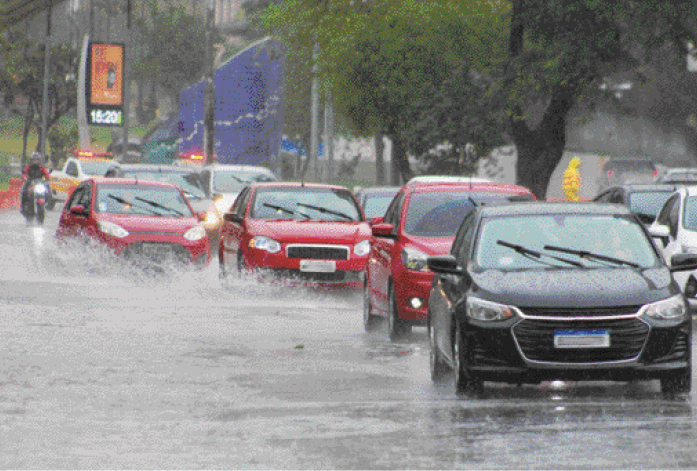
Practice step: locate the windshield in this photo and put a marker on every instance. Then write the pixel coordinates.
(232, 181)
(317, 204)
(604, 235)
(648, 202)
(439, 213)
(95, 168)
(142, 200)
(189, 183)
(376, 205)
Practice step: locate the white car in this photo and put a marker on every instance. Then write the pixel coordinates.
(223, 182)
(675, 232)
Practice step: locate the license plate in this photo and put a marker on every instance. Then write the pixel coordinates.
(581, 338)
(318, 266)
(156, 251)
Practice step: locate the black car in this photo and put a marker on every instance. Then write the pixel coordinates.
(643, 199)
(374, 200)
(558, 291)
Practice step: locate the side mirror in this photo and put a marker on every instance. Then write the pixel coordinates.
(444, 264)
(376, 220)
(660, 232)
(201, 216)
(233, 217)
(683, 262)
(79, 210)
(382, 229)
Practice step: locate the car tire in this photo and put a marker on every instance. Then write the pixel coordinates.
(370, 320)
(679, 382)
(397, 328)
(436, 363)
(464, 382)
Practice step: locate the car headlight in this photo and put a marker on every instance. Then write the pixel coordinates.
(362, 248)
(195, 233)
(488, 311)
(414, 259)
(670, 308)
(265, 243)
(212, 218)
(40, 189)
(221, 205)
(112, 229)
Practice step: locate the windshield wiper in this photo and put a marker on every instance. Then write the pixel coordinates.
(279, 208)
(535, 255)
(324, 210)
(130, 204)
(592, 256)
(158, 205)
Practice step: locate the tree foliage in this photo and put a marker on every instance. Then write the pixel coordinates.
(21, 81)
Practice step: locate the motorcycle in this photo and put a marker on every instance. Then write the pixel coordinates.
(34, 204)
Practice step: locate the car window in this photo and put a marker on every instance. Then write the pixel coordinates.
(617, 196)
(71, 169)
(205, 176)
(664, 214)
(648, 202)
(394, 210)
(75, 197)
(461, 245)
(85, 198)
(240, 204)
(607, 235)
(689, 221)
(437, 214)
(232, 181)
(95, 168)
(604, 197)
(674, 217)
(317, 204)
(376, 205)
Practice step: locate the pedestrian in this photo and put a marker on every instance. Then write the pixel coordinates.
(572, 180)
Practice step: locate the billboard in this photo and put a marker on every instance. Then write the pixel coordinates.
(248, 107)
(105, 84)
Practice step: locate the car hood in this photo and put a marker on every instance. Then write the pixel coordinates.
(575, 287)
(304, 231)
(158, 224)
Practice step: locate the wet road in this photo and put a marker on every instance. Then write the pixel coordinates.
(102, 367)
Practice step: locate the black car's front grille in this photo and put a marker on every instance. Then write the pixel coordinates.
(579, 311)
(536, 340)
(157, 252)
(318, 252)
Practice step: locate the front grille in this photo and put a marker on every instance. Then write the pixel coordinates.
(318, 252)
(335, 277)
(536, 340)
(157, 252)
(579, 311)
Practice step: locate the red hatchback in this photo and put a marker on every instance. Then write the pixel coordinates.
(145, 221)
(420, 222)
(307, 233)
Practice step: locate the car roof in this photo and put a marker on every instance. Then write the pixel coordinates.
(296, 185)
(164, 168)
(379, 189)
(425, 187)
(236, 167)
(447, 178)
(129, 181)
(645, 187)
(554, 207)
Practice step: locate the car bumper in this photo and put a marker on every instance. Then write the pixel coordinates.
(163, 251)
(411, 292)
(349, 272)
(524, 351)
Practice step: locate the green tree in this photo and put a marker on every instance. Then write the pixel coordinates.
(172, 48)
(21, 81)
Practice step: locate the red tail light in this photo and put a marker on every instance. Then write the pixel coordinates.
(609, 173)
(655, 173)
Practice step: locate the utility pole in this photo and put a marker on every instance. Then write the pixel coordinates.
(329, 137)
(209, 91)
(47, 78)
(314, 117)
(126, 85)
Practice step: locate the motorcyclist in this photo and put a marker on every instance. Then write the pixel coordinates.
(35, 170)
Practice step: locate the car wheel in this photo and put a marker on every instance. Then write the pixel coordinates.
(679, 382)
(437, 366)
(464, 382)
(397, 328)
(370, 320)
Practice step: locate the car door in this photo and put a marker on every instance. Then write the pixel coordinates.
(452, 287)
(381, 253)
(72, 224)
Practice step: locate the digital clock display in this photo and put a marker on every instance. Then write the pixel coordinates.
(106, 117)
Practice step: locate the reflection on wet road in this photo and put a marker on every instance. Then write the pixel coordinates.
(105, 366)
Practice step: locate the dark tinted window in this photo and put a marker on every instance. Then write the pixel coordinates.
(648, 203)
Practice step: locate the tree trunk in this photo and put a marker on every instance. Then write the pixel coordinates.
(379, 159)
(540, 150)
(400, 163)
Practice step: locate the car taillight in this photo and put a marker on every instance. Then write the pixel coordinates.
(655, 173)
(609, 173)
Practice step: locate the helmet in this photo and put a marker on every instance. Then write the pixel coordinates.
(35, 158)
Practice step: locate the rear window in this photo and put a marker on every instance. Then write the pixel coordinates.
(622, 166)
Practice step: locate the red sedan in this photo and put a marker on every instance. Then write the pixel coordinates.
(306, 233)
(420, 222)
(145, 221)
